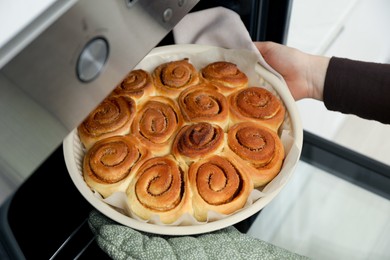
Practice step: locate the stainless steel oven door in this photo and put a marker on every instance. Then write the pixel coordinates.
(53, 83)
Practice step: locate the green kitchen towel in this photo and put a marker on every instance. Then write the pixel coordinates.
(121, 242)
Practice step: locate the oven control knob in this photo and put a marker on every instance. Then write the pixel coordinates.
(167, 15)
(92, 59)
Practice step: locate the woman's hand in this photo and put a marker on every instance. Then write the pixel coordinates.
(303, 73)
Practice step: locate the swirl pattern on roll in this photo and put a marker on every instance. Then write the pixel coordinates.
(160, 187)
(156, 124)
(109, 164)
(260, 147)
(172, 77)
(137, 84)
(113, 116)
(257, 104)
(226, 74)
(198, 140)
(218, 185)
(204, 103)
(171, 126)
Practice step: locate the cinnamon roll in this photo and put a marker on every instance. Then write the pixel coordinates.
(137, 85)
(204, 103)
(181, 141)
(259, 147)
(109, 165)
(226, 75)
(172, 77)
(156, 124)
(160, 187)
(195, 141)
(218, 185)
(113, 116)
(256, 104)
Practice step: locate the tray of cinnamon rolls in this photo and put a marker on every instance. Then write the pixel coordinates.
(193, 139)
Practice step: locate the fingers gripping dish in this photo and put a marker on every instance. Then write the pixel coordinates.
(194, 140)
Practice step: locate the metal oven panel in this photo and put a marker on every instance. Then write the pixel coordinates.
(74, 64)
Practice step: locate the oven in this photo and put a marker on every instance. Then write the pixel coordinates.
(56, 65)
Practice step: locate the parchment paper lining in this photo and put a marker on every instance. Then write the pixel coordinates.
(247, 62)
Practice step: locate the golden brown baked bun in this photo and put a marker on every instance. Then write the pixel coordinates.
(260, 148)
(203, 103)
(256, 104)
(218, 184)
(110, 163)
(226, 75)
(156, 124)
(137, 85)
(160, 187)
(172, 77)
(196, 141)
(113, 116)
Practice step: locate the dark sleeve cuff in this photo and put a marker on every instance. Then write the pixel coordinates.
(359, 88)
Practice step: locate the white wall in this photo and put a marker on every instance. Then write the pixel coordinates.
(355, 29)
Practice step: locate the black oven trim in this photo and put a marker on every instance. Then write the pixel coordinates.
(265, 20)
(347, 164)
